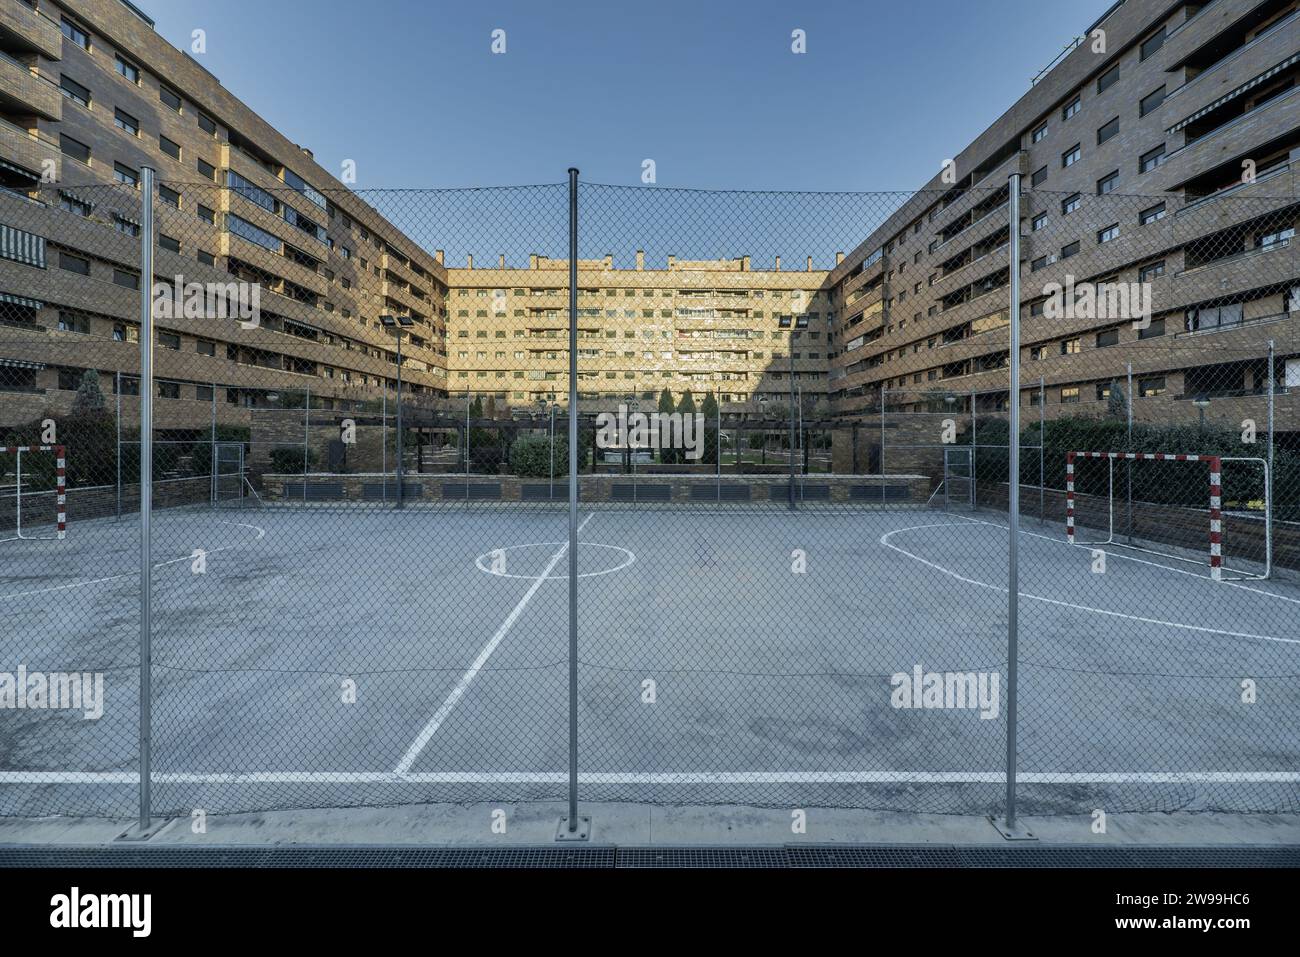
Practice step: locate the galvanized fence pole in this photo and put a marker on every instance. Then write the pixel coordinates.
(1271, 478)
(1128, 463)
(146, 497)
(1013, 508)
(1042, 450)
(573, 504)
(117, 457)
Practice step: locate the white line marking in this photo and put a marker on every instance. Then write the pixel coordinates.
(261, 533)
(651, 777)
(1139, 561)
(468, 677)
(884, 540)
(631, 559)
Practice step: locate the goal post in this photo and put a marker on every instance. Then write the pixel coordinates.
(34, 500)
(1181, 512)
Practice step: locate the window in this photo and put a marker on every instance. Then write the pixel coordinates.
(254, 234)
(1039, 177)
(126, 122)
(74, 148)
(71, 322)
(126, 175)
(1069, 395)
(1108, 184)
(1039, 134)
(207, 170)
(170, 98)
(1108, 338)
(206, 258)
(124, 333)
(1071, 204)
(1071, 108)
(203, 393)
(1152, 271)
(1151, 160)
(75, 204)
(1275, 240)
(207, 124)
(75, 34)
(1108, 131)
(74, 264)
(171, 149)
(169, 196)
(74, 91)
(166, 242)
(1152, 386)
(1071, 347)
(127, 279)
(1071, 250)
(207, 215)
(169, 390)
(1151, 101)
(1214, 317)
(1108, 79)
(1071, 156)
(1039, 222)
(1153, 43)
(169, 340)
(1154, 214)
(1108, 234)
(205, 347)
(1154, 331)
(128, 69)
(125, 226)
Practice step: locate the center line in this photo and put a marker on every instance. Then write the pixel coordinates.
(468, 677)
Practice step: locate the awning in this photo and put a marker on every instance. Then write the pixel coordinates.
(35, 177)
(1233, 94)
(20, 364)
(21, 301)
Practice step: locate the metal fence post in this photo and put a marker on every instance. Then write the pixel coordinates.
(1042, 450)
(884, 397)
(212, 447)
(1128, 463)
(1013, 512)
(117, 457)
(146, 498)
(306, 439)
(383, 443)
(790, 440)
(1272, 473)
(400, 438)
(572, 828)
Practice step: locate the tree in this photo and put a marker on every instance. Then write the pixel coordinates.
(667, 407)
(89, 400)
(710, 409)
(1117, 402)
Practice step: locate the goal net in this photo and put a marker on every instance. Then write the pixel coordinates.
(33, 492)
(1208, 510)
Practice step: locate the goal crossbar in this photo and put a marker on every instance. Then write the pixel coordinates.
(1214, 498)
(60, 487)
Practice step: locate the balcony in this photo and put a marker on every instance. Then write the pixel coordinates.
(26, 92)
(28, 150)
(33, 30)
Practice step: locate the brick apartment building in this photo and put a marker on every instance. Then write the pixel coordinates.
(1132, 162)
(1182, 95)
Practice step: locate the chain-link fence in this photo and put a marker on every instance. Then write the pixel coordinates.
(792, 498)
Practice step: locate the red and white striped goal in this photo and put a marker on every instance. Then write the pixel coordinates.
(60, 484)
(1215, 498)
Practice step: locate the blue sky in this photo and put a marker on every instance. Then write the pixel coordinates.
(710, 91)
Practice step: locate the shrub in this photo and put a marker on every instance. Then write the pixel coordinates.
(530, 456)
(288, 460)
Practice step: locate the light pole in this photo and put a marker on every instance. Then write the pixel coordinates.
(397, 324)
(1202, 403)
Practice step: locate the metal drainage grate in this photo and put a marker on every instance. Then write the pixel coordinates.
(116, 856)
(686, 857)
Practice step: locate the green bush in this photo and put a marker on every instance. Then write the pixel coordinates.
(288, 460)
(530, 456)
